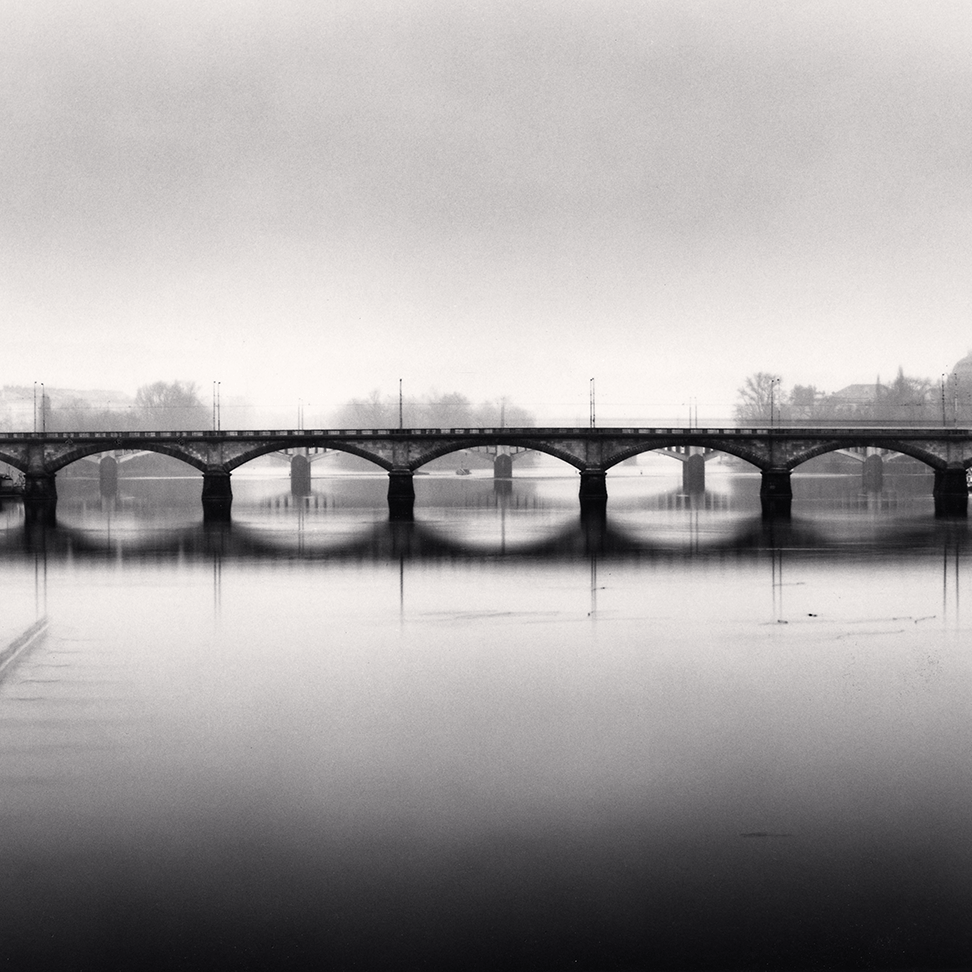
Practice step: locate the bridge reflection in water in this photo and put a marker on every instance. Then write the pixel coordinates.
(695, 532)
(775, 452)
(222, 678)
(681, 527)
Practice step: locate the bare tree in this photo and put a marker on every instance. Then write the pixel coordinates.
(910, 399)
(451, 410)
(803, 401)
(170, 405)
(906, 399)
(759, 397)
(373, 412)
(77, 414)
(502, 413)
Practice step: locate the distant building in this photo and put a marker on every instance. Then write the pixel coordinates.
(861, 394)
(17, 408)
(959, 387)
(963, 368)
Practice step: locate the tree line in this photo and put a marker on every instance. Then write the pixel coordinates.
(906, 400)
(158, 406)
(436, 411)
(177, 406)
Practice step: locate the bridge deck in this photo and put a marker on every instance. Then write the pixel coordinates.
(787, 431)
(776, 451)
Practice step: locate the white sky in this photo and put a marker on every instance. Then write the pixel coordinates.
(310, 200)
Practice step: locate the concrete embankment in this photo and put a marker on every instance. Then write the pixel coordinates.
(20, 645)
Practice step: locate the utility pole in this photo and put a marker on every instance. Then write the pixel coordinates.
(401, 412)
(593, 418)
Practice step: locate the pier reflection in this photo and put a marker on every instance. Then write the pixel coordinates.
(687, 533)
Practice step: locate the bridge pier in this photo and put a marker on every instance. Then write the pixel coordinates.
(503, 467)
(776, 493)
(693, 474)
(300, 476)
(40, 497)
(108, 476)
(951, 492)
(593, 491)
(217, 494)
(594, 527)
(401, 494)
(873, 479)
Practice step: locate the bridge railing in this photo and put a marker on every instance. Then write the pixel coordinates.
(528, 432)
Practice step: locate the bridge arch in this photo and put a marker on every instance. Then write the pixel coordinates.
(282, 445)
(906, 449)
(716, 445)
(16, 462)
(459, 445)
(93, 449)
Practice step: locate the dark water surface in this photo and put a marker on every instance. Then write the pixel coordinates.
(495, 738)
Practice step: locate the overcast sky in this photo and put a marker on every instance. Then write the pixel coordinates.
(311, 200)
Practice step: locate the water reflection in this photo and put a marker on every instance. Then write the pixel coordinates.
(471, 533)
(499, 736)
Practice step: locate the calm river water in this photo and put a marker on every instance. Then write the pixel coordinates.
(494, 738)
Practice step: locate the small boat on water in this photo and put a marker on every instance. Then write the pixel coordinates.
(462, 471)
(9, 488)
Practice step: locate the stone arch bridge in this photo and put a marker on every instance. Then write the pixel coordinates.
(776, 452)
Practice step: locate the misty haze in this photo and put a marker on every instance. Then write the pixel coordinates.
(485, 486)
